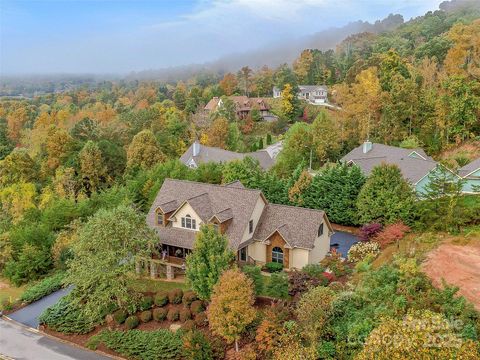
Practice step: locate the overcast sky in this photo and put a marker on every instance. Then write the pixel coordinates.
(107, 36)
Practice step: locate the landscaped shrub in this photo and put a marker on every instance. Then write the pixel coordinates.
(300, 282)
(196, 346)
(201, 319)
(175, 296)
(334, 263)
(161, 298)
(69, 318)
(188, 325)
(278, 286)
(391, 234)
(368, 231)
(188, 297)
(159, 314)
(143, 345)
(131, 322)
(197, 306)
(172, 314)
(273, 267)
(146, 316)
(361, 250)
(255, 273)
(43, 288)
(146, 303)
(315, 270)
(184, 314)
(119, 316)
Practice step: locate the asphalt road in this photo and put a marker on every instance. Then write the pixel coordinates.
(29, 314)
(342, 241)
(18, 342)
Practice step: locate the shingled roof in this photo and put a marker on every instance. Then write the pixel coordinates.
(241, 202)
(414, 164)
(298, 226)
(469, 168)
(213, 154)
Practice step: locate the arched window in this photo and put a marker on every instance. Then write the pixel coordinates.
(188, 222)
(277, 255)
(159, 215)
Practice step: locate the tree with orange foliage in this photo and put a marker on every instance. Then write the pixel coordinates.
(217, 133)
(15, 122)
(231, 309)
(228, 84)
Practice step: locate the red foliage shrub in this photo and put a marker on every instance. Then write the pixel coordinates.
(391, 234)
(368, 231)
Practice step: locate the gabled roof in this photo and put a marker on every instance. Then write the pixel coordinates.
(471, 167)
(240, 201)
(413, 168)
(298, 226)
(168, 206)
(212, 154)
(223, 215)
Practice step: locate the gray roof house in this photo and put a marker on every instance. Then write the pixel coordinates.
(415, 164)
(470, 174)
(314, 94)
(198, 154)
(257, 231)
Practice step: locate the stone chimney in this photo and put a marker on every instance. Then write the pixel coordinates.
(196, 148)
(367, 146)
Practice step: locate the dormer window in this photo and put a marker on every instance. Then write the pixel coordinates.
(320, 230)
(188, 222)
(159, 216)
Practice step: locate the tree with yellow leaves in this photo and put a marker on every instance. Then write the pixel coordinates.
(92, 168)
(231, 309)
(144, 152)
(288, 97)
(58, 145)
(217, 133)
(18, 198)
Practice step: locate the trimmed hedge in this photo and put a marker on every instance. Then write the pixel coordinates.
(185, 315)
(146, 303)
(132, 322)
(159, 314)
(175, 296)
(188, 297)
(43, 288)
(161, 298)
(119, 316)
(273, 267)
(201, 319)
(172, 314)
(146, 316)
(197, 307)
(144, 345)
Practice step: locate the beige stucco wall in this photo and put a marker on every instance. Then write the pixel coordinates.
(321, 247)
(299, 258)
(257, 251)
(257, 212)
(182, 212)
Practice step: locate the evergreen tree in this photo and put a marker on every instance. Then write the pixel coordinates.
(386, 197)
(209, 258)
(335, 190)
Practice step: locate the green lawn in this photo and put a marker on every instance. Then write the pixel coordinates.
(9, 291)
(149, 285)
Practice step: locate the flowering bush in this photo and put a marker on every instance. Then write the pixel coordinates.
(391, 234)
(334, 263)
(368, 231)
(361, 250)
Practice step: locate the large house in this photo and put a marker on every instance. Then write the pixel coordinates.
(314, 94)
(198, 154)
(470, 174)
(258, 232)
(243, 106)
(416, 166)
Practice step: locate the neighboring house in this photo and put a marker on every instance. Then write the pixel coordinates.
(258, 232)
(470, 173)
(244, 106)
(198, 154)
(314, 94)
(416, 166)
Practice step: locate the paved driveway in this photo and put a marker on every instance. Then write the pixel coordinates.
(342, 241)
(29, 314)
(17, 342)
